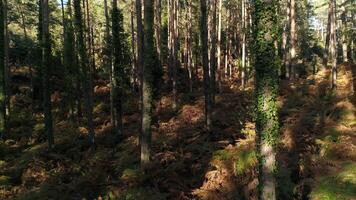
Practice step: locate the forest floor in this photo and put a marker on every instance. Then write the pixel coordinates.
(317, 157)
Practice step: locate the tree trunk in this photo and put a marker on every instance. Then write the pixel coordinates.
(344, 32)
(134, 72)
(158, 28)
(84, 63)
(150, 63)
(46, 64)
(292, 39)
(243, 56)
(327, 39)
(333, 58)
(189, 45)
(117, 31)
(285, 44)
(174, 52)
(219, 69)
(267, 126)
(204, 39)
(140, 47)
(213, 54)
(108, 62)
(2, 70)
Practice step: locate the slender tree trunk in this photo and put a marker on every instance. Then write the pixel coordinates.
(140, 47)
(227, 49)
(243, 57)
(133, 48)
(285, 44)
(213, 53)
(219, 68)
(175, 53)
(204, 39)
(46, 65)
(292, 39)
(7, 70)
(118, 65)
(267, 127)
(108, 62)
(2, 70)
(189, 45)
(158, 28)
(344, 32)
(84, 63)
(333, 58)
(327, 40)
(150, 62)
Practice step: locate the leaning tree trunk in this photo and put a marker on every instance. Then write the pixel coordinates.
(86, 75)
(46, 64)
(267, 127)
(204, 40)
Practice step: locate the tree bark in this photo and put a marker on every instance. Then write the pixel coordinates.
(243, 56)
(204, 39)
(292, 39)
(150, 63)
(108, 62)
(219, 68)
(333, 58)
(46, 64)
(213, 53)
(117, 31)
(158, 20)
(266, 90)
(2, 70)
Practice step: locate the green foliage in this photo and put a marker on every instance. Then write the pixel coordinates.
(245, 160)
(223, 155)
(341, 186)
(142, 194)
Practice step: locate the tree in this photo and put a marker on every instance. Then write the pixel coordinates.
(2, 69)
(219, 69)
(86, 74)
(108, 61)
(267, 127)
(46, 64)
(69, 56)
(292, 39)
(332, 5)
(118, 65)
(150, 62)
(204, 50)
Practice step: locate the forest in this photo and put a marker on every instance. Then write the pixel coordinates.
(178, 99)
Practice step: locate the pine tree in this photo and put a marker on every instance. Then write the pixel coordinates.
(118, 64)
(2, 69)
(85, 69)
(267, 127)
(46, 65)
(150, 62)
(204, 39)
